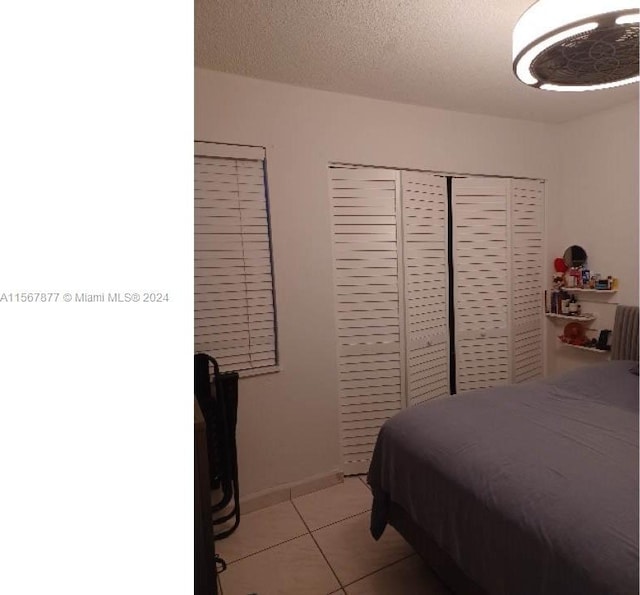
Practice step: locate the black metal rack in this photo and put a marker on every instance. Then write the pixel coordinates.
(217, 396)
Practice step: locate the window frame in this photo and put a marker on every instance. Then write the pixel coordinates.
(212, 149)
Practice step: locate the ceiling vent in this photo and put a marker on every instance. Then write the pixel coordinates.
(564, 45)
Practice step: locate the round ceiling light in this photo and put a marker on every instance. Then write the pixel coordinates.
(577, 45)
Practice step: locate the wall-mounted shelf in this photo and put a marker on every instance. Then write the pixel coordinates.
(581, 318)
(585, 348)
(576, 289)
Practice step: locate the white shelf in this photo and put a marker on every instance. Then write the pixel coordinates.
(581, 318)
(584, 348)
(576, 289)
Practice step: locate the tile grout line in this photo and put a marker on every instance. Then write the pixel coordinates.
(266, 548)
(413, 553)
(310, 531)
(325, 558)
(334, 522)
(319, 548)
(380, 569)
(352, 516)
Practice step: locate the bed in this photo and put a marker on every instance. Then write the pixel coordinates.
(523, 490)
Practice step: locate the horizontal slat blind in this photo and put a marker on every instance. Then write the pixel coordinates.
(527, 249)
(234, 309)
(481, 281)
(424, 220)
(365, 248)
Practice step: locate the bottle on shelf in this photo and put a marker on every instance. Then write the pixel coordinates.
(573, 306)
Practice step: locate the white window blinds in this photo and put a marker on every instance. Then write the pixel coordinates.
(234, 307)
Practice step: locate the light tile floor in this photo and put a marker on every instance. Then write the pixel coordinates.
(319, 544)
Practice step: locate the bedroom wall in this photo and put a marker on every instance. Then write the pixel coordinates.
(288, 421)
(598, 210)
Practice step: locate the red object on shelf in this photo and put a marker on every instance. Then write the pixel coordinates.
(559, 265)
(574, 333)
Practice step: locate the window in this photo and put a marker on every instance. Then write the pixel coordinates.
(235, 318)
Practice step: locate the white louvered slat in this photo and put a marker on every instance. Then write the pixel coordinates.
(424, 221)
(482, 291)
(367, 282)
(234, 312)
(527, 237)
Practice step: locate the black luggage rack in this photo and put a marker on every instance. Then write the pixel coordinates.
(217, 397)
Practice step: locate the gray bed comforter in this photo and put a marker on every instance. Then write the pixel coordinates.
(531, 489)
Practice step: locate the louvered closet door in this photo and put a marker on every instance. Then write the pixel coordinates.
(481, 282)
(424, 220)
(527, 236)
(365, 207)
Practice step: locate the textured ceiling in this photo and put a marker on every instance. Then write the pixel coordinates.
(451, 54)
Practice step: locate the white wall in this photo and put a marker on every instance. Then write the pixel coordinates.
(598, 210)
(288, 421)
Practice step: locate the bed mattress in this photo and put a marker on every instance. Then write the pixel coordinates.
(530, 489)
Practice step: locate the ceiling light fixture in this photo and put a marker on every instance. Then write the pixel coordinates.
(577, 45)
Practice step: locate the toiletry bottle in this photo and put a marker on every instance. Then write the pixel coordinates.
(573, 306)
(546, 302)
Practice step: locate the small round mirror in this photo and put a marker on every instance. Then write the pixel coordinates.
(575, 256)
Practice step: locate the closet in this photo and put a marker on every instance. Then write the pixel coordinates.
(437, 290)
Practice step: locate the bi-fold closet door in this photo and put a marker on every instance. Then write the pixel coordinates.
(481, 281)
(390, 288)
(424, 226)
(498, 251)
(392, 291)
(527, 279)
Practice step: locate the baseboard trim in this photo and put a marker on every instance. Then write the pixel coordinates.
(289, 491)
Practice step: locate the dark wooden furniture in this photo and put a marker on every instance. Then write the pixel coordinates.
(204, 550)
